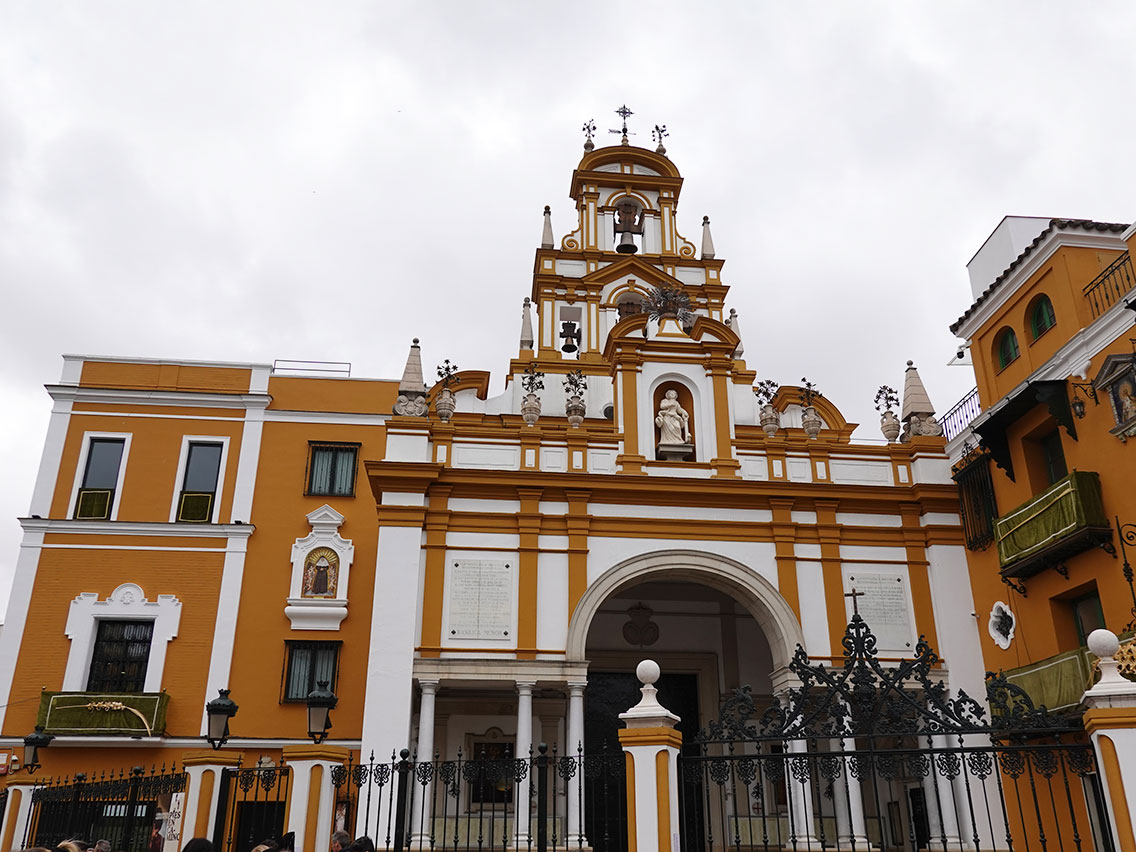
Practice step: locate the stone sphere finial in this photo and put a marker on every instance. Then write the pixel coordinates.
(1103, 643)
(910, 363)
(415, 341)
(648, 672)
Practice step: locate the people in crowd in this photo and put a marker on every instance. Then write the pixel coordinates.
(101, 846)
(362, 844)
(269, 845)
(340, 840)
(198, 844)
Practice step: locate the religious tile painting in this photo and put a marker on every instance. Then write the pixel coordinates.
(321, 573)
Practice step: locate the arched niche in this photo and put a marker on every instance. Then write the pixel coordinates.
(686, 400)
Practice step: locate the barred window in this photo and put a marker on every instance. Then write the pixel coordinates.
(976, 498)
(120, 656)
(331, 469)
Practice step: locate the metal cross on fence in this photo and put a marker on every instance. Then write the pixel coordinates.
(854, 594)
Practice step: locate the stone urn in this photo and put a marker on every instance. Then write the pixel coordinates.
(770, 419)
(575, 409)
(889, 425)
(530, 409)
(811, 422)
(444, 404)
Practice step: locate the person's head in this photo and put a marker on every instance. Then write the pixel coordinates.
(198, 844)
(340, 840)
(102, 846)
(70, 846)
(362, 844)
(287, 842)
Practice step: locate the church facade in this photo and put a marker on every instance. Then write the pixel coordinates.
(466, 571)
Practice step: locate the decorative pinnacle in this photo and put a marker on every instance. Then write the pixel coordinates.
(658, 134)
(589, 132)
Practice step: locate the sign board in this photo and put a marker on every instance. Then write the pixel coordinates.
(481, 599)
(173, 826)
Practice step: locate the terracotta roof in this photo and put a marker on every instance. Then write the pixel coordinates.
(1054, 224)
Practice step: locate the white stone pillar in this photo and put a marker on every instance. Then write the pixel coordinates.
(652, 747)
(943, 797)
(575, 736)
(851, 827)
(16, 815)
(524, 751)
(1110, 721)
(420, 812)
(310, 791)
(802, 826)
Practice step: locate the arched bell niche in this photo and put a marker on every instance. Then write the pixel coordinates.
(686, 400)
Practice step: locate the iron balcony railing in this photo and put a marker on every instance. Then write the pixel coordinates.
(1064, 520)
(961, 415)
(1109, 287)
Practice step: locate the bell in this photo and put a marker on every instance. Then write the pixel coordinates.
(626, 244)
(569, 347)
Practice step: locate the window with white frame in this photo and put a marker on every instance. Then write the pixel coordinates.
(331, 469)
(98, 478)
(200, 475)
(120, 656)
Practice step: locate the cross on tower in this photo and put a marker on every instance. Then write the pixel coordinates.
(854, 594)
(623, 112)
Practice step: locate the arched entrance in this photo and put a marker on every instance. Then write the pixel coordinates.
(710, 622)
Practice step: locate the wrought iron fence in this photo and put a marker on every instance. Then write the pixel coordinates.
(867, 756)
(542, 801)
(1110, 286)
(961, 415)
(129, 808)
(252, 804)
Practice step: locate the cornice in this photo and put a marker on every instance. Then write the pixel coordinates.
(183, 399)
(152, 528)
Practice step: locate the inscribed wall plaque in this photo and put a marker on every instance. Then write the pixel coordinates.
(481, 599)
(885, 604)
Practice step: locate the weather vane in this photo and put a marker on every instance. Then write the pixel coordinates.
(658, 134)
(589, 132)
(623, 112)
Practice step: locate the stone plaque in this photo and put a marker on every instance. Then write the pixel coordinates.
(481, 599)
(884, 603)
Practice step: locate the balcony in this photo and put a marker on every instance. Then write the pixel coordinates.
(133, 714)
(1059, 681)
(961, 414)
(1064, 520)
(1110, 286)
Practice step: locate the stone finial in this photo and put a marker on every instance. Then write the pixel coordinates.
(526, 320)
(707, 240)
(546, 241)
(1105, 644)
(917, 414)
(732, 324)
(649, 713)
(412, 388)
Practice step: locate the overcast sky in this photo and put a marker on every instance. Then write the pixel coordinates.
(250, 181)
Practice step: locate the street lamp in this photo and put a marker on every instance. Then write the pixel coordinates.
(33, 742)
(220, 710)
(321, 701)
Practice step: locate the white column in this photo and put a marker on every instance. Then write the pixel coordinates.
(850, 802)
(1109, 722)
(420, 813)
(524, 748)
(944, 798)
(575, 736)
(228, 605)
(301, 793)
(19, 812)
(800, 798)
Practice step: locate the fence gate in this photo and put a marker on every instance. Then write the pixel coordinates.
(130, 808)
(874, 756)
(252, 804)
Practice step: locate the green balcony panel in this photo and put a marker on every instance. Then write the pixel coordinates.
(1058, 682)
(1064, 520)
(103, 714)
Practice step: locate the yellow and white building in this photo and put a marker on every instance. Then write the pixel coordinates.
(470, 579)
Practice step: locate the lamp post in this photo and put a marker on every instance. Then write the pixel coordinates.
(220, 710)
(33, 742)
(321, 701)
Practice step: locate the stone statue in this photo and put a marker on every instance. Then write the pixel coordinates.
(672, 420)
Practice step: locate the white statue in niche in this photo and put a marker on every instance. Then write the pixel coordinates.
(672, 420)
